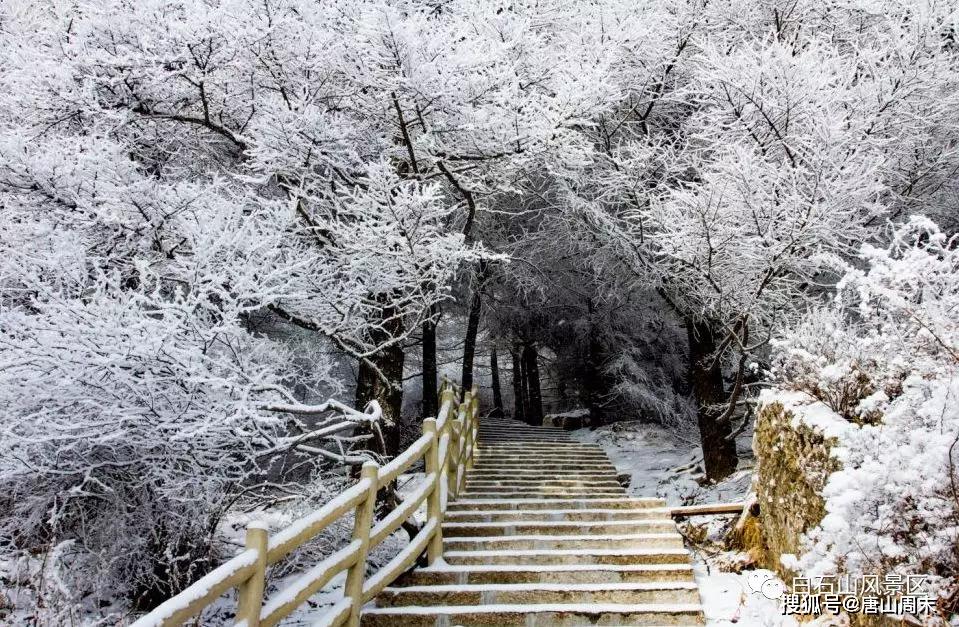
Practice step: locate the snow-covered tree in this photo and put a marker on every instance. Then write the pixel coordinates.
(794, 129)
(883, 356)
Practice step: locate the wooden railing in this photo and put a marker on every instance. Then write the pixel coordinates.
(447, 444)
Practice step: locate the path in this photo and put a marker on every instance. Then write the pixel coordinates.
(544, 535)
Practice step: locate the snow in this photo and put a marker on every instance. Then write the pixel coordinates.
(734, 599)
(808, 411)
(662, 464)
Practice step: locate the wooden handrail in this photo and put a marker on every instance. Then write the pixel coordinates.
(710, 509)
(446, 447)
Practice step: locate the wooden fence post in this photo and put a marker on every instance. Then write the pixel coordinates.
(474, 425)
(448, 394)
(363, 518)
(250, 594)
(434, 506)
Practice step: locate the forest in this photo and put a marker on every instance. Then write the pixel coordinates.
(243, 241)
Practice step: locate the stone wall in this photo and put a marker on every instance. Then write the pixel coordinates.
(793, 464)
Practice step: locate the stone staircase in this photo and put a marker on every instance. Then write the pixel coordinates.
(544, 535)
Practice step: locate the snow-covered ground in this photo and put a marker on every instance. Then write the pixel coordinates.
(663, 464)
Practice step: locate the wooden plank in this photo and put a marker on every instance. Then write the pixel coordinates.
(402, 511)
(404, 460)
(396, 566)
(193, 600)
(305, 529)
(707, 510)
(309, 583)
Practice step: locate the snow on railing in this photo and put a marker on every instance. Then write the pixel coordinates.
(447, 446)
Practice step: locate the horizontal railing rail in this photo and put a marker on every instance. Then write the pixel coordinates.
(446, 446)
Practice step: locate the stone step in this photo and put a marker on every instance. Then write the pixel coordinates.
(538, 615)
(544, 467)
(559, 447)
(552, 573)
(583, 515)
(534, 475)
(564, 457)
(486, 594)
(550, 542)
(531, 452)
(535, 431)
(542, 462)
(546, 495)
(570, 556)
(599, 483)
(548, 527)
(487, 438)
(470, 504)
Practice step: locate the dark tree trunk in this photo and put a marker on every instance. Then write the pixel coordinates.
(706, 378)
(497, 392)
(534, 410)
(593, 380)
(519, 392)
(370, 386)
(469, 346)
(430, 394)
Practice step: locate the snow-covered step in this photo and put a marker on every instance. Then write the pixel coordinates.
(548, 494)
(507, 437)
(583, 515)
(528, 431)
(446, 574)
(569, 556)
(549, 542)
(541, 458)
(487, 440)
(565, 457)
(543, 534)
(620, 502)
(538, 615)
(560, 490)
(552, 469)
(484, 594)
(559, 447)
(545, 527)
(476, 484)
(531, 477)
(542, 443)
(543, 465)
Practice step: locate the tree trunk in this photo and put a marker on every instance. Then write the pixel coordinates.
(370, 386)
(706, 378)
(469, 346)
(430, 394)
(534, 411)
(593, 382)
(519, 378)
(497, 392)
